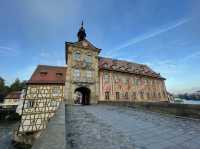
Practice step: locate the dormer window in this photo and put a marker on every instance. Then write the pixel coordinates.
(43, 73)
(105, 65)
(59, 74)
(77, 56)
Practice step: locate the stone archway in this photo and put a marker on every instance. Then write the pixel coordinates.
(85, 97)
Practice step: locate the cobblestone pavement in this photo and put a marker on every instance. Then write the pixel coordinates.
(54, 136)
(112, 127)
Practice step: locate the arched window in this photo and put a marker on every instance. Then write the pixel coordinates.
(88, 58)
(76, 56)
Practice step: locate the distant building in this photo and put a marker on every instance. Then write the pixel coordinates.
(12, 100)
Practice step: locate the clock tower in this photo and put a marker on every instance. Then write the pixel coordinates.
(82, 70)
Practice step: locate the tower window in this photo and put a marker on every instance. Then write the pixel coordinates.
(76, 56)
(77, 73)
(89, 74)
(88, 59)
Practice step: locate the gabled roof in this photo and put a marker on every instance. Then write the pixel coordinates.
(127, 67)
(45, 74)
(84, 44)
(13, 95)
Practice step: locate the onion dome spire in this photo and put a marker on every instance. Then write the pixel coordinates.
(81, 33)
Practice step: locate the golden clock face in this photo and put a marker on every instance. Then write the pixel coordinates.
(85, 44)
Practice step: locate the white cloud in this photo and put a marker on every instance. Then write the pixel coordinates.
(177, 72)
(7, 51)
(191, 56)
(149, 35)
(51, 57)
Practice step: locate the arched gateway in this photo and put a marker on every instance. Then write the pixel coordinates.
(84, 99)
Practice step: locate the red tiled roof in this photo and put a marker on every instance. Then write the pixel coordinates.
(127, 67)
(45, 74)
(13, 95)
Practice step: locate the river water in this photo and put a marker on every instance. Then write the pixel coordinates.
(6, 129)
(184, 101)
(195, 102)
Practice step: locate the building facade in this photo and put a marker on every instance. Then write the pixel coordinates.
(99, 78)
(12, 100)
(91, 78)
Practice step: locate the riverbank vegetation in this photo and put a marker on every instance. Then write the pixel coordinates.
(17, 85)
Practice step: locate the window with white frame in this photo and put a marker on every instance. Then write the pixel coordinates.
(88, 74)
(88, 59)
(56, 91)
(77, 73)
(76, 56)
(106, 77)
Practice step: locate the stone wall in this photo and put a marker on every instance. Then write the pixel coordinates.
(183, 110)
(131, 87)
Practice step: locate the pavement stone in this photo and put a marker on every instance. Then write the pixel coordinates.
(54, 136)
(113, 127)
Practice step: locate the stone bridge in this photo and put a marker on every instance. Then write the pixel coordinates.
(116, 127)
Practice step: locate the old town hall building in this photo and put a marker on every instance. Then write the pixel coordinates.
(89, 78)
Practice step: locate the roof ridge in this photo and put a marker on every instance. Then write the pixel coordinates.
(122, 60)
(43, 65)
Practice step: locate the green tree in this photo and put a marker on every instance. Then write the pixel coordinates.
(17, 85)
(3, 88)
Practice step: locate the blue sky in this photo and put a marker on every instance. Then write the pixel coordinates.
(162, 34)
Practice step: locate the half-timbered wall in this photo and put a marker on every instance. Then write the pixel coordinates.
(40, 104)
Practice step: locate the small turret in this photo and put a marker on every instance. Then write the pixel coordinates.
(81, 33)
